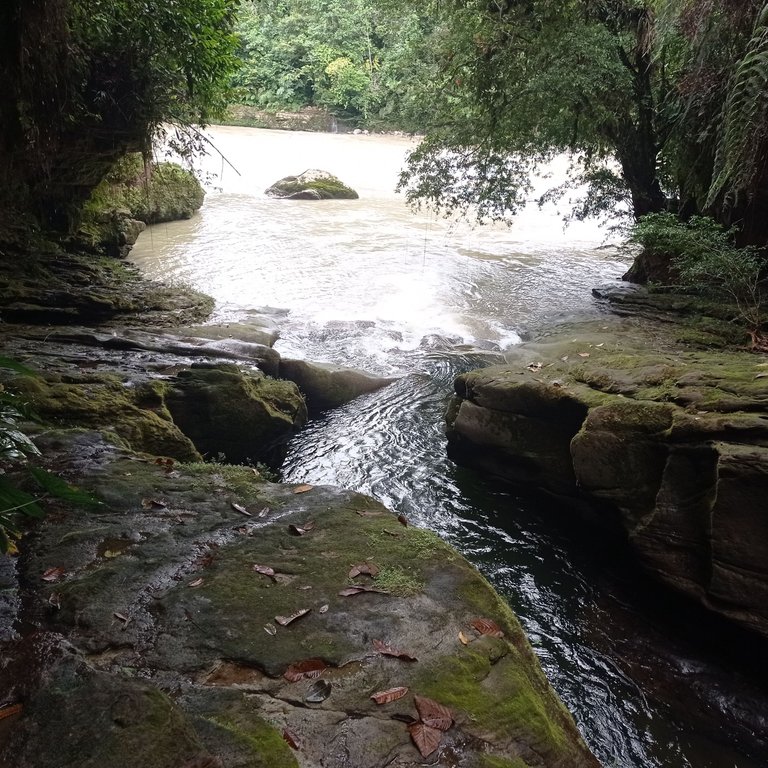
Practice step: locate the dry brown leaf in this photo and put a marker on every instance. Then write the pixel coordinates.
(241, 509)
(487, 627)
(10, 710)
(270, 629)
(433, 714)
(390, 650)
(403, 520)
(426, 739)
(762, 376)
(264, 570)
(53, 574)
(284, 621)
(583, 354)
(292, 739)
(264, 512)
(363, 569)
(464, 639)
(359, 589)
(323, 608)
(121, 616)
(393, 694)
(309, 669)
(195, 583)
(300, 530)
(303, 488)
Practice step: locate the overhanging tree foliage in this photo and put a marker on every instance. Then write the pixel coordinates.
(660, 102)
(84, 81)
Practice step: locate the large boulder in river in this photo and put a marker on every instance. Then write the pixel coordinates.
(183, 632)
(671, 449)
(312, 185)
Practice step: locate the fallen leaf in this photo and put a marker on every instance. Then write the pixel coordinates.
(300, 530)
(358, 589)
(264, 570)
(120, 616)
(264, 512)
(323, 608)
(534, 366)
(433, 714)
(292, 739)
(284, 621)
(363, 569)
(564, 358)
(10, 710)
(487, 627)
(270, 629)
(309, 669)
(111, 553)
(195, 583)
(600, 345)
(762, 376)
(403, 520)
(54, 600)
(393, 694)
(302, 488)
(426, 739)
(390, 650)
(53, 574)
(305, 587)
(241, 509)
(154, 504)
(583, 354)
(319, 691)
(463, 638)
(164, 462)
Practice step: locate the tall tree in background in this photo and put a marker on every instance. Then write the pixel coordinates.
(84, 81)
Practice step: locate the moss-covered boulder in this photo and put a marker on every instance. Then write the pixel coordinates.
(241, 598)
(311, 185)
(234, 414)
(668, 447)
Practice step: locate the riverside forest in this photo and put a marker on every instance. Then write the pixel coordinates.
(383, 384)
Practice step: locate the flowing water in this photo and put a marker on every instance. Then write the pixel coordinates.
(367, 283)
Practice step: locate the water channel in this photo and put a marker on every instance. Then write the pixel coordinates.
(370, 284)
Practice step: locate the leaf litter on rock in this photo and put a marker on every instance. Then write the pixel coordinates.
(307, 669)
(240, 508)
(433, 714)
(303, 488)
(264, 570)
(358, 589)
(426, 739)
(284, 621)
(390, 650)
(363, 569)
(318, 692)
(53, 574)
(301, 530)
(270, 629)
(487, 627)
(292, 739)
(391, 694)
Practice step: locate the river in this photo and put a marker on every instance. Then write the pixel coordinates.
(370, 284)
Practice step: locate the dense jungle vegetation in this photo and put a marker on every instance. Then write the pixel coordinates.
(661, 104)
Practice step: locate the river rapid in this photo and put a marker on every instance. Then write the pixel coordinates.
(370, 284)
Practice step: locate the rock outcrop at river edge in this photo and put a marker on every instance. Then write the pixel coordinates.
(669, 447)
(197, 615)
(193, 615)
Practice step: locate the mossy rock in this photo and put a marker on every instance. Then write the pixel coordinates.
(311, 185)
(230, 413)
(201, 618)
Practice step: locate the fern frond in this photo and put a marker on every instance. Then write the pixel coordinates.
(744, 115)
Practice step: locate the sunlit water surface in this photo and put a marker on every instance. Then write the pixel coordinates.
(368, 283)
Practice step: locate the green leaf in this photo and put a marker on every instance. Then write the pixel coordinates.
(13, 500)
(60, 489)
(12, 365)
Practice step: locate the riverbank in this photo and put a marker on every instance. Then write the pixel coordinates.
(198, 614)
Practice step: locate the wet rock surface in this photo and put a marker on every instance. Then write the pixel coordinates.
(160, 642)
(666, 443)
